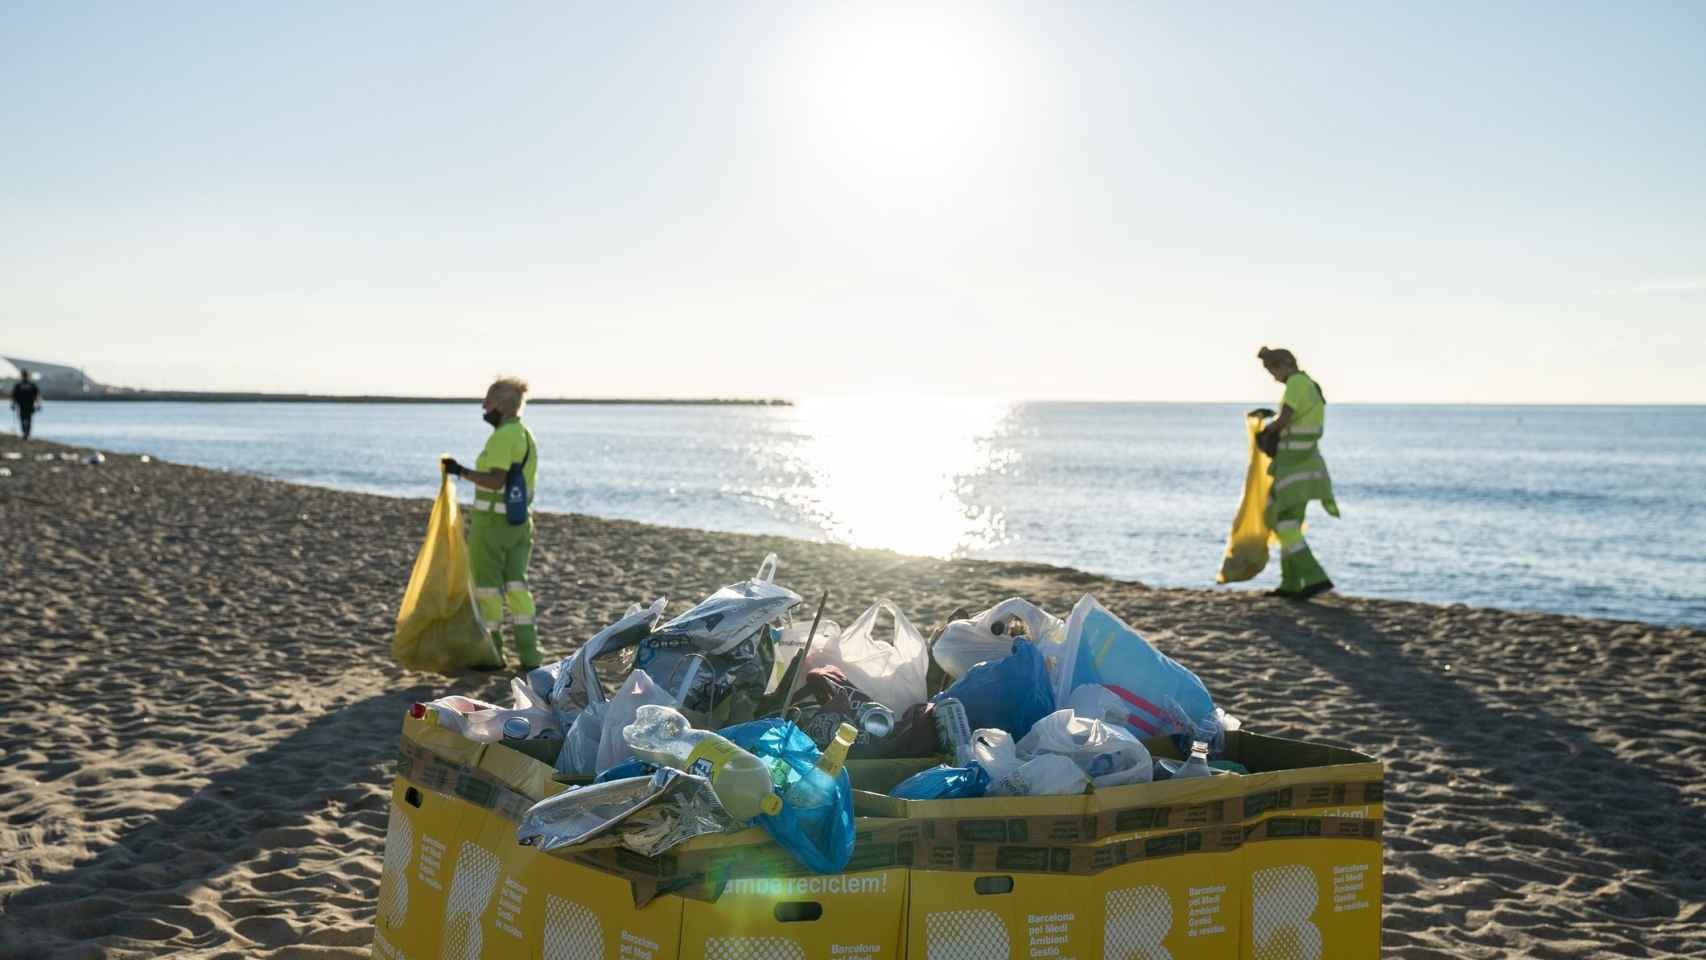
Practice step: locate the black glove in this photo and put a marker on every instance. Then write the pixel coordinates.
(1262, 412)
(450, 466)
(1268, 441)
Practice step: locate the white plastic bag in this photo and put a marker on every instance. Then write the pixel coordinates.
(993, 750)
(792, 641)
(452, 712)
(893, 674)
(1108, 755)
(487, 724)
(636, 691)
(1044, 775)
(966, 643)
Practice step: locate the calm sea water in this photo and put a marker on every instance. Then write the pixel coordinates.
(1597, 511)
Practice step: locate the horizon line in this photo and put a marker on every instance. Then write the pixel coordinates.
(215, 396)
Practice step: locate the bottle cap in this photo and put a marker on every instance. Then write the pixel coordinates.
(771, 805)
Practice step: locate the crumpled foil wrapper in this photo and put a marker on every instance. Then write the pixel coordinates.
(647, 815)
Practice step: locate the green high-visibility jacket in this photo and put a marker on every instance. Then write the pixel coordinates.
(1299, 472)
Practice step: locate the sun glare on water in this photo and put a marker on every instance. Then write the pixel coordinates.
(891, 472)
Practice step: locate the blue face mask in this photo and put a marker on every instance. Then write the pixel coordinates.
(493, 417)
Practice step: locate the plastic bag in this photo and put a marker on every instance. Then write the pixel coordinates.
(826, 701)
(994, 752)
(790, 643)
(1008, 694)
(1247, 545)
(636, 691)
(484, 722)
(733, 614)
(452, 712)
(966, 643)
(577, 684)
(438, 626)
(893, 674)
(722, 687)
(819, 837)
(579, 755)
(1108, 755)
(1103, 651)
(1044, 775)
(943, 783)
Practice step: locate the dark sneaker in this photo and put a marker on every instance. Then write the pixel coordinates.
(1284, 594)
(488, 667)
(1315, 590)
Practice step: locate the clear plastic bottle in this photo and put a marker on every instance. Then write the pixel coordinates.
(661, 735)
(1197, 764)
(817, 787)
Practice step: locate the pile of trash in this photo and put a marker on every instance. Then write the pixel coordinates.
(740, 713)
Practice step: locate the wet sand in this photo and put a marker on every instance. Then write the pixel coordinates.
(200, 714)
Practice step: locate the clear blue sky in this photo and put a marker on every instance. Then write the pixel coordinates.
(1463, 202)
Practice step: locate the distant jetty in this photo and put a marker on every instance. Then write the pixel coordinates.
(201, 396)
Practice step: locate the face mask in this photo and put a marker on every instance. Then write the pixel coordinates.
(493, 417)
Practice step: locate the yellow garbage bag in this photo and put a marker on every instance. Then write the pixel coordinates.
(438, 627)
(1247, 546)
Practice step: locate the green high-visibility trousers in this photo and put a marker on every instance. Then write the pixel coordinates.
(498, 554)
(1298, 566)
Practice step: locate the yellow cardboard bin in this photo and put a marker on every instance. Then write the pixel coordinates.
(458, 885)
(1313, 818)
(1284, 862)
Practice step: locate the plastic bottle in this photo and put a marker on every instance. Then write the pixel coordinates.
(817, 787)
(661, 735)
(1197, 765)
(953, 730)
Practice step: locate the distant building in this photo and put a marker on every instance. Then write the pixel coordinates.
(54, 379)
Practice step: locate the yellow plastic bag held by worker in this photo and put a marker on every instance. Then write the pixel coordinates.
(438, 627)
(1247, 547)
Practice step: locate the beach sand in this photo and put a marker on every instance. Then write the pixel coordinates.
(201, 713)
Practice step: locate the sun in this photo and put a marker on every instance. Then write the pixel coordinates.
(900, 91)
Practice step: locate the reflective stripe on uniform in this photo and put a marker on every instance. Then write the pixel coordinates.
(1287, 481)
(514, 585)
(521, 620)
(1297, 445)
(1285, 525)
(487, 506)
(487, 593)
(1302, 432)
(1297, 547)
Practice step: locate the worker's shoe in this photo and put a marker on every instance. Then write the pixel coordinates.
(1315, 590)
(488, 667)
(1284, 594)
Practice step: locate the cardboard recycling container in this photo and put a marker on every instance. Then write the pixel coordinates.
(1283, 863)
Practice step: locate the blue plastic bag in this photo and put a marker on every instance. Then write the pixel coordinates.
(820, 837)
(1009, 694)
(944, 783)
(1160, 696)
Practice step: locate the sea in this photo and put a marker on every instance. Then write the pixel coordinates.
(1596, 511)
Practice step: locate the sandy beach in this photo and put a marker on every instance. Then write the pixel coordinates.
(201, 714)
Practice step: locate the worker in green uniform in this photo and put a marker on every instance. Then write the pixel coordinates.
(498, 549)
(1300, 474)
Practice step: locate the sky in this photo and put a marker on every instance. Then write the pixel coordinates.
(1428, 203)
